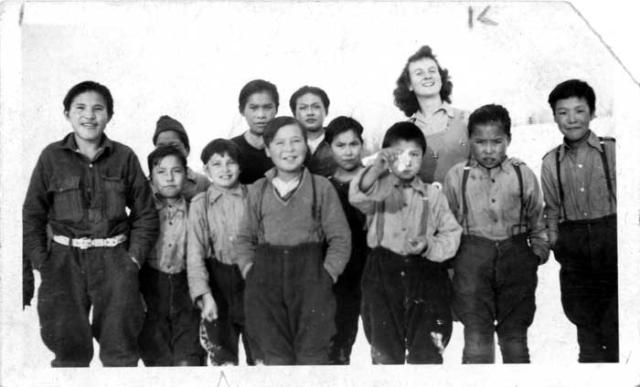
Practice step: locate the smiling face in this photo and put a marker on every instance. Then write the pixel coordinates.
(288, 150)
(424, 78)
(310, 111)
(408, 163)
(88, 116)
(259, 110)
(347, 150)
(168, 176)
(573, 117)
(223, 170)
(489, 144)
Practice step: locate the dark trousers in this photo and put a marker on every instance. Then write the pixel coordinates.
(588, 255)
(348, 294)
(169, 335)
(73, 281)
(289, 304)
(405, 301)
(494, 285)
(227, 288)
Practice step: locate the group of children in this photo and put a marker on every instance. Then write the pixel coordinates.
(290, 239)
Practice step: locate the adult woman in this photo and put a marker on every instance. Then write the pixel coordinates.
(422, 93)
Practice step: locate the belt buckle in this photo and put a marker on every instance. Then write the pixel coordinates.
(83, 243)
(99, 242)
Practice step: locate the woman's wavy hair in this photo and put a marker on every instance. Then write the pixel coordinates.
(404, 98)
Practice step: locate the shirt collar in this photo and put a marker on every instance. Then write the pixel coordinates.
(444, 107)
(416, 184)
(504, 164)
(215, 193)
(592, 141)
(315, 144)
(161, 203)
(69, 142)
(271, 174)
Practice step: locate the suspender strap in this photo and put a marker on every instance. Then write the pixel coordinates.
(560, 190)
(263, 189)
(605, 165)
(519, 174)
(465, 209)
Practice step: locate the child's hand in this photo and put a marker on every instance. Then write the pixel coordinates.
(385, 159)
(553, 238)
(209, 308)
(416, 245)
(436, 338)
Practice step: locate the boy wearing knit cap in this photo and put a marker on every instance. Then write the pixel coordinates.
(170, 131)
(214, 282)
(169, 335)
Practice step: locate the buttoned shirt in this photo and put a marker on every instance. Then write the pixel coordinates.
(398, 212)
(447, 141)
(214, 219)
(169, 253)
(80, 198)
(584, 183)
(493, 202)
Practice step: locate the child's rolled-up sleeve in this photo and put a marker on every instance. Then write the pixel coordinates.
(443, 231)
(366, 201)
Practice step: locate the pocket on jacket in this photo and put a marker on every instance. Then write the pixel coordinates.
(67, 199)
(114, 190)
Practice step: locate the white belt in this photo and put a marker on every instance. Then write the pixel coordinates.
(86, 243)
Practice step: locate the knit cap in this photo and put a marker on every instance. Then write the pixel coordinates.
(167, 123)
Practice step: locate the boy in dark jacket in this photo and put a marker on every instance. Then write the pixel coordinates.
(82, 187)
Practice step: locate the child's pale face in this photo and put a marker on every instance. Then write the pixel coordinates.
(310, 111)
(288, 149)
(168, 176)
(88, 116)
(408, 163)
(347, 150)
(259, 110)
(222, 170)
(573, 117)
(489, 144)
(171, 137)
(424, 78)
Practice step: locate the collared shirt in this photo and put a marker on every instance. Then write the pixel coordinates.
(214, 220)
(447, 141)
(194, 184)
(270, 219)
(584, 183)
(396, 213)
(493, 202)
(313, 144)
(79, 198)
(169, 253)
(285, 187)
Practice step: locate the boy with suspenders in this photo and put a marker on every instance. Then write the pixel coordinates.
(498, 202)
(578, 181)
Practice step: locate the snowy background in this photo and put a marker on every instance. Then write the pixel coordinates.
(189, 60)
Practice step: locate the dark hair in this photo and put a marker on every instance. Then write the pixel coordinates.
(163, 151)
(257, 86)
(274, 125)
(404, 131)
(573, 88)
(293, 101)
(220, 146)
(340, 125)
(85, 86)
(404, 98)
(490, 114)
